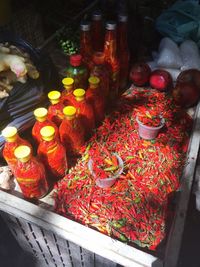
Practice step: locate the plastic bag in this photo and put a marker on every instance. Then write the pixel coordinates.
(17, 109)
(180, 22)
(169, 54)
(190, 55)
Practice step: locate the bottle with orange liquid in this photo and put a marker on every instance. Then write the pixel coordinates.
(13, 140)
(41, 121)
(101, 70)
(30, 174)
(67, 93)
(52, 154)
(55, 110)
(97, 31)
(110, 52)
(86, 44)
(96, 99)
(84, 111)
(72, 133)
(123, 51)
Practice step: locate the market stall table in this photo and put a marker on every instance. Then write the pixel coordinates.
(58, 241)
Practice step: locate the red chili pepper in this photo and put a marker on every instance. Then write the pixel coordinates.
(151, 172)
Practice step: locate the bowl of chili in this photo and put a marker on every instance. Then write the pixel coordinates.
(149, 126)
(105, 176)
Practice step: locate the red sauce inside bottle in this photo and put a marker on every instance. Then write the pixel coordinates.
(71, 131)
(52, 154)
(30, 174)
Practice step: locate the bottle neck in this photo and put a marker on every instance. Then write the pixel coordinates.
(85, 43)
(80, 99)
(68, 88)
(54, 102)
(12, 139)
(110, 44)
(122, 35)
(70, 118)
(41, 119)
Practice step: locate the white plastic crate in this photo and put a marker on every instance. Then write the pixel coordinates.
(57, 241)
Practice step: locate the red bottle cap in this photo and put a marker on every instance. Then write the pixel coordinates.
(75, 60)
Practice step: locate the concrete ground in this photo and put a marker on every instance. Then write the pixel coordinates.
(11, 255)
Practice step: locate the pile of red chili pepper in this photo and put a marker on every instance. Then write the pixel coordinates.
(104, 165)
(151, 119)
(136, 208)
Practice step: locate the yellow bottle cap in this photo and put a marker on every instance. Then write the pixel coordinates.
(10, 133)
(67, 81)
(47, 133)
(79, 94)
(69, 111)
(23, 153)
(94, 80)
(54, 96)
(40, 114)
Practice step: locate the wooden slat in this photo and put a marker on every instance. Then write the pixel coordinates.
(176, 233)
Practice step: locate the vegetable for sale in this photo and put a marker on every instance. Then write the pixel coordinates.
(136, 208)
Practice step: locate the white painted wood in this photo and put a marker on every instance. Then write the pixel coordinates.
(175, 236)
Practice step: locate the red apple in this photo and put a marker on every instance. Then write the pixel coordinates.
(161, 80)
(140, 74)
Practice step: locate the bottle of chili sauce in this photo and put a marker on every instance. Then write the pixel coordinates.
(30, 174)
(67, 93)
(110, 52)
(96, 99)
(72, 133)
(41, 121)
(97, 31)
(78, 71)
(84, 111)
(52, 154)
(55, 110)
(86, 44)
(13, 140)
(123, 51)
(101, 70)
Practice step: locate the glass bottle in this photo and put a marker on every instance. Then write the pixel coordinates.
(101, 70)
(110, 52)
(84, 111)
(97, 31)
(71, 131)
(86, 44)
(96, 99)
(30, 174)
(13, 140)
(55, 110)
(77, 71)
(41, 121)
(123, 51)
(52, 154)
(67, 93)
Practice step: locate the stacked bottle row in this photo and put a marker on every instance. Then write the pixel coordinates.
(103, 55)
(58, 132)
